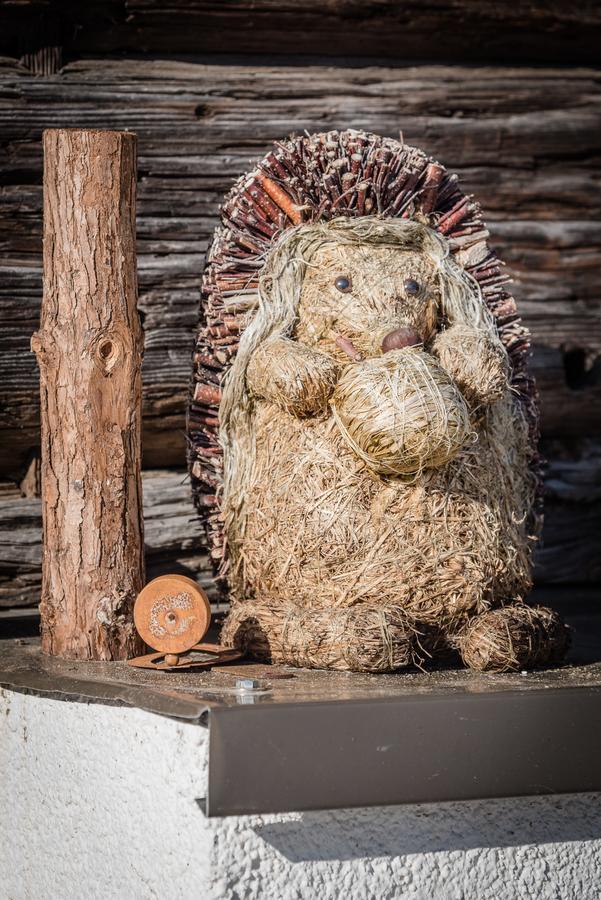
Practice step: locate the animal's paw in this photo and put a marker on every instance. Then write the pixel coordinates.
(292, 375)
(356, 639)
(476, 361)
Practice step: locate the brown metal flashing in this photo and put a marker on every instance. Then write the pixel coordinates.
(412, 749)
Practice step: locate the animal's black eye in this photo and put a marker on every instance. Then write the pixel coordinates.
(412, 287)
(343, 284)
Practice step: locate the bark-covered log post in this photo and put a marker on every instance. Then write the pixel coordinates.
(89, 348)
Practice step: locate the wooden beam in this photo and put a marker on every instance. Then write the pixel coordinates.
(89, 350)
(172, 537)
(460, 31)
(511, 135)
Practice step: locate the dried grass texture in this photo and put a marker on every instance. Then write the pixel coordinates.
(478, 365)
(313, 536)
(359, 639)
(297, 378)
(322, 533)
(401, 413)
(514, 638)
(296, 298)
(311, 523)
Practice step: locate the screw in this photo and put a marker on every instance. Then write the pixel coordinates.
(247, 684)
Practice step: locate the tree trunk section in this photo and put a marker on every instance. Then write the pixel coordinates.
(89, 349)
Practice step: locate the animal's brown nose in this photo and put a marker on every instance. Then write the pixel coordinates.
(405, 336)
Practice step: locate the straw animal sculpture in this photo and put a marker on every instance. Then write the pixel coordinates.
(362, 425)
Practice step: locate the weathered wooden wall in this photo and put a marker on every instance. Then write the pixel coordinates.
(171, 537)
(526, 141)
(525, 31)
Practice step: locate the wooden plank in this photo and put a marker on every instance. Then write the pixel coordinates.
(569, 550)
(464, 30)
(172, 538)
(525, 141)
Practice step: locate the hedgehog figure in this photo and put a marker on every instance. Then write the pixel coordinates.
(368, 460)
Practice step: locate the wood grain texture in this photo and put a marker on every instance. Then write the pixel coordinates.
(172, 537)
(462, 30)
(526, 142)
(89, 349)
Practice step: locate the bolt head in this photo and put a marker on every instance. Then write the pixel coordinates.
(247, 684)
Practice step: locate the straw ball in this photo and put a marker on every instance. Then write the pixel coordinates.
(401, 413)
(513, 638)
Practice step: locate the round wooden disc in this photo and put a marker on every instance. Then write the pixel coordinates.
(172, 613)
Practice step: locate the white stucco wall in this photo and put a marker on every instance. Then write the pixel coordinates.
(99, 802)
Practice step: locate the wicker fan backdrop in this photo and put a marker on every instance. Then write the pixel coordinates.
(304, 180)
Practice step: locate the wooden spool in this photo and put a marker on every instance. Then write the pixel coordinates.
(172, 614)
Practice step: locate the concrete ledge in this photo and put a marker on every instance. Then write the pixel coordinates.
(101, 802)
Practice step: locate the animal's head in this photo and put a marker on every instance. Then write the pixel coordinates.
(369, 295)
(376, 283)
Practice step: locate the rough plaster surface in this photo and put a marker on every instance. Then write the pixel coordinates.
(99, 802)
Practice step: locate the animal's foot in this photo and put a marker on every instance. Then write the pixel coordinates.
(357, 639)
(515, 637)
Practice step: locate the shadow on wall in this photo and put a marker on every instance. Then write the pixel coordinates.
(433, 828)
